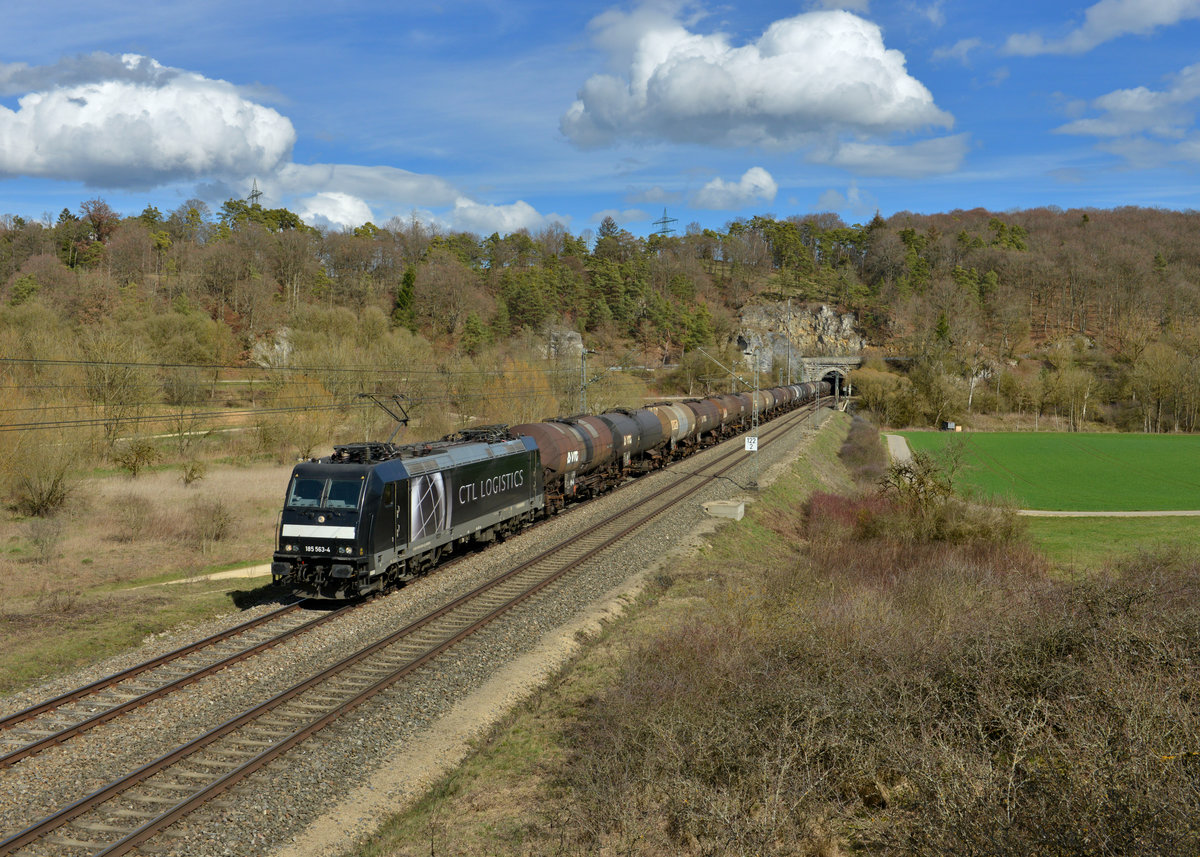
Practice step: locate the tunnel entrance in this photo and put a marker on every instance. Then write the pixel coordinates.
(838, 383)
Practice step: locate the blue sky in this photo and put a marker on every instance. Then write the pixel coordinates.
(494, 115)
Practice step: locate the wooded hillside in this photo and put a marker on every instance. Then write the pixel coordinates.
(1074, 315)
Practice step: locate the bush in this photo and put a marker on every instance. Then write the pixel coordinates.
(192, 471)
(42, 480)
(924, 506)
(135, 455)
(45, 534)
(211, 521)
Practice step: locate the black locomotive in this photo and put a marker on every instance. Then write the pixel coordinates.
(374, 515)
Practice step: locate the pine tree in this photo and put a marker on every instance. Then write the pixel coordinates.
(404, 313)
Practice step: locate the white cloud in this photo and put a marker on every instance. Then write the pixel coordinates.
(655, 194)
(916, 160)
(1146, 127)
(629, 215)
(399, 187)
(862, 6)
(806, 77)
(332, 209)
(471, 216)
(1105, 21)
(932, 12)
(960, 50)
(755, 185)
(140, 126)
(854, 201)
(130, 122)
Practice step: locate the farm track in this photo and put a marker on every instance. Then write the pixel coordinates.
(133, 809)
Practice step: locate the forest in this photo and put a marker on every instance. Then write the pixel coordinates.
(114, 327)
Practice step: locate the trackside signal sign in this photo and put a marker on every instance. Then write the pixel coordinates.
(751, 443)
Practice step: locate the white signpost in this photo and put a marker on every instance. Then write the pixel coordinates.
(751, 443)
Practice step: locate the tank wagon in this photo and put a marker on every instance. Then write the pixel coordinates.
(373, 515)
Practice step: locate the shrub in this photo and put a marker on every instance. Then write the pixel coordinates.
(211, 522)
(45, 534)
(192, 471)
(42, 480)
(135, 455)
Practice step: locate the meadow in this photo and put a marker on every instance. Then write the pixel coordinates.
(1075, 471)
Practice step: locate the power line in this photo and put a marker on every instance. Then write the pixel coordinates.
(224, 416)
(42, 361)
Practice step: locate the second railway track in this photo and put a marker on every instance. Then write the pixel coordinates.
(135, 807)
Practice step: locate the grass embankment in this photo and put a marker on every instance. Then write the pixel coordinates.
(824, 683)
(71, 586)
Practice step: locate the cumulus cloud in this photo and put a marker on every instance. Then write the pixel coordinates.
(1105, 21)
(1146, 127)
(754, 186)
(915, 160)
(377, 183)
(334, 210)
(1140, 110)
(805, 77)
(472, 216)
(130, 122)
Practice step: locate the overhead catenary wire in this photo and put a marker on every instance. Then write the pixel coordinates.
(142, 419)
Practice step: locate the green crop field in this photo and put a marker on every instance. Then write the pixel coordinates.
(1083, 472)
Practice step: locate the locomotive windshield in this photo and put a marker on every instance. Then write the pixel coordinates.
(310, 493)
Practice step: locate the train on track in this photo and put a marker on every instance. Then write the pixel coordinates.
(374, 515)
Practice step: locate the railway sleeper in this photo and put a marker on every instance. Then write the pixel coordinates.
(97, 827)
(169, 787)
(68, 842)
(160, 800)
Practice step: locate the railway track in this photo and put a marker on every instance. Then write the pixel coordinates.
(137, 807)
(57, 720)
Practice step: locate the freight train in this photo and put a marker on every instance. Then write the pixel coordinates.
(374, 515)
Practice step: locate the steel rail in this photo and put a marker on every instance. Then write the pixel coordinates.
(11, 758)
(124, 675)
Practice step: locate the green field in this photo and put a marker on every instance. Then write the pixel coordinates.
(1081, 472)
(1093, 542)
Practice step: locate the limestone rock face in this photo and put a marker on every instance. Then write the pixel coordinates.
(813, 331)
(563, 342)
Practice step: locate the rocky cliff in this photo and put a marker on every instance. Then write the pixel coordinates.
(812, 331)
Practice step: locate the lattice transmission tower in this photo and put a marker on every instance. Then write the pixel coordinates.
(664, 224)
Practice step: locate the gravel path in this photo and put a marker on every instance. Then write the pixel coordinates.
(897, 446)
(465, 692)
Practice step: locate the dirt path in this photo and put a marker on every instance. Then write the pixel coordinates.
(898, 448)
